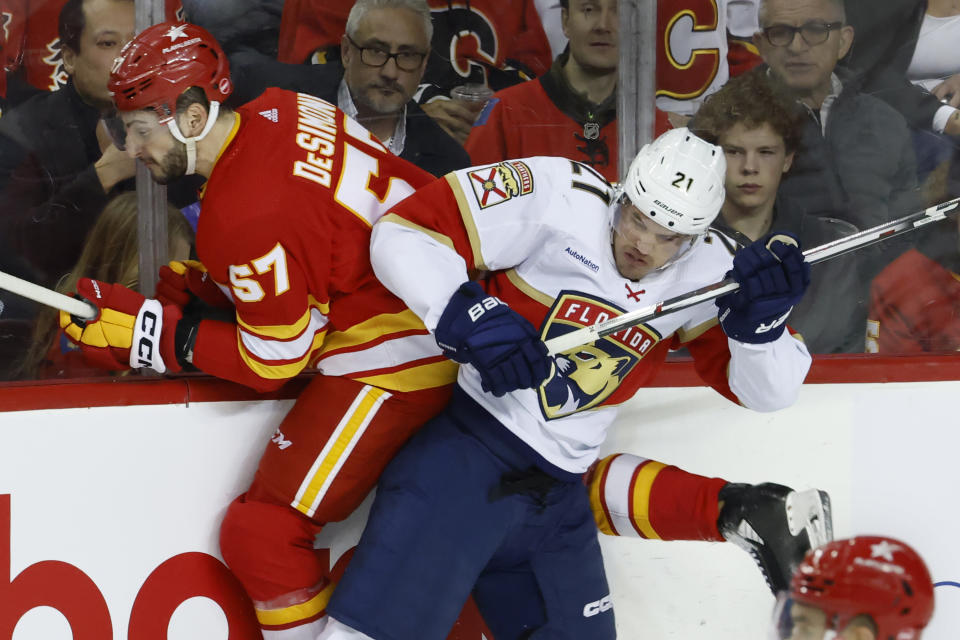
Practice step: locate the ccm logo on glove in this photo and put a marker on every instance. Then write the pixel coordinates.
(148, 337)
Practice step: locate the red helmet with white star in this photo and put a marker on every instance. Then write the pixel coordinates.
(876, 576)
(165, 60)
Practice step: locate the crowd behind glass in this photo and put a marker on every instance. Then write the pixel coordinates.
(835, 117)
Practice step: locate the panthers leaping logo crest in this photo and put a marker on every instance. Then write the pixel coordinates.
(587, 376)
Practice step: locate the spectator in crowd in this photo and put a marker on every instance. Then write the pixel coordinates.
(856, 160)
(34, 55)
(934, 66)
(915, 301)
(384, 55)
(486, 42)
(759, 128)
(888, 35)
(863, 588)
(111, 253)
(58, 165)
(571, 111)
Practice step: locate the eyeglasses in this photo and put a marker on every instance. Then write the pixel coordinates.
(374, 57)
(813, 33)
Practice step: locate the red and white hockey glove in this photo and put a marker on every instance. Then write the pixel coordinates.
(129, 332)
(182, 281)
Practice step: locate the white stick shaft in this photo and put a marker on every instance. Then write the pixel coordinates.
(587, 335)
(79, 308)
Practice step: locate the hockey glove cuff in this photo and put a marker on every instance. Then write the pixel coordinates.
(181, 281)
(773, 277)
(500, 343)
(129, 332)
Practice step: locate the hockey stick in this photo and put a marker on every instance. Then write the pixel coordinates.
(587, 335)
(49, 297)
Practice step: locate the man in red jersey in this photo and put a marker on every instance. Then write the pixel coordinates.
(293, 187)
(571, 111)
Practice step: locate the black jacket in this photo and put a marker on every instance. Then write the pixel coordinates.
(50, 195)
(426, 145)
(49, 191)
(885, 36)
(861, 169)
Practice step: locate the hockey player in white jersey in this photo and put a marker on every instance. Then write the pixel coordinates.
(489, 497)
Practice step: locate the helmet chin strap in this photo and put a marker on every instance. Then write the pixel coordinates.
(192, 142)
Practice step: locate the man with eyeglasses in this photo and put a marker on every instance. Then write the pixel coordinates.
(384, 55)
(855, 161)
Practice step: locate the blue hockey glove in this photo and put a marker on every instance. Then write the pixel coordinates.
(503, 346)
(773, 278)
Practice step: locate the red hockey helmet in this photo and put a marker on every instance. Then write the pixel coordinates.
(876, 576)
(165, 60)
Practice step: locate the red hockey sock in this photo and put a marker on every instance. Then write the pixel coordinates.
(685, 506)
(269, 547)
(633, 496)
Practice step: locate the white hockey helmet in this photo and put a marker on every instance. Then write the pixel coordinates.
(677, 181)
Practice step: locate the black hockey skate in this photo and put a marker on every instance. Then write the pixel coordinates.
(776, 525)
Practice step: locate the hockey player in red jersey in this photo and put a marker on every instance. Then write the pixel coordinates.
(488, 497)
(863, 588)
(293, 189)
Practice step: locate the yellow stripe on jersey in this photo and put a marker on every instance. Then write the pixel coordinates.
(640, 498)
(303, 611)
(283, 371)
(373, 328)
(426, 376)
(403, 222)
(468, 221)
(287, 331)
(528, 289)
(596, 497)
(697, 331)
(338, 449)
(223, 147)
(230, 137)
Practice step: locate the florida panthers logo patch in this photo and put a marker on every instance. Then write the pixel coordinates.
(500, 182)
(586, 376)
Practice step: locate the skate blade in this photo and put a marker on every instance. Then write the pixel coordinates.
(810, 510)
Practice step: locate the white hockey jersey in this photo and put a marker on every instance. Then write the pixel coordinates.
(542, 227)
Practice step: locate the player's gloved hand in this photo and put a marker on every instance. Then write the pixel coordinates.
(129, 332)
(773, 277)
(183, 280)
(503, 346)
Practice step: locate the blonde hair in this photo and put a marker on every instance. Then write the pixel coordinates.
(111, 253)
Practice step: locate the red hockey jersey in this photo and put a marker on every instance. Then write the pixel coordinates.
(284, 230)
(914, 307)
(524, 121)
